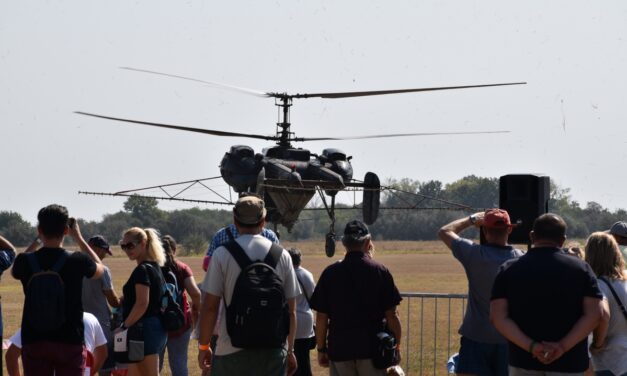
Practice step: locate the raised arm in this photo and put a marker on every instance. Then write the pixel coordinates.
(75, 233)
(450, 232)
(7, 254)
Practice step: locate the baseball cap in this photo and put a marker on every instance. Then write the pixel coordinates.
(619, 228)
(249, 210)
(356, 230)
(496, 218)
(100, 242)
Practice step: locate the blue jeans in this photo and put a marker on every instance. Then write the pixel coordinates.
(482, 358)
(607, 373)
(177, 353)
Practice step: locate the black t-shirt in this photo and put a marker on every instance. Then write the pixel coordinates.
(77, 266)
(355, 294)
(148, 276)
(544, 291)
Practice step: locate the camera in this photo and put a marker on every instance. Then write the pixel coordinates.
(386, 340)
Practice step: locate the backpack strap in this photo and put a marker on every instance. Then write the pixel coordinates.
(34, 264)
(304, 291)
(158, 274)
(32, 261)
(620, 304)
(229, 234)
(169, 272)
(238, 254)
(273, 256)
(60, 262)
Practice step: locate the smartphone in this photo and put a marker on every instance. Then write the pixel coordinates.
(71, 221)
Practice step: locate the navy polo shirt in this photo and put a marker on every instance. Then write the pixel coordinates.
(544, 291)
(354, 293)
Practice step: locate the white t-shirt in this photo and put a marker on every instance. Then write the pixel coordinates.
(224, 270)
(94, 335)
(304, 314)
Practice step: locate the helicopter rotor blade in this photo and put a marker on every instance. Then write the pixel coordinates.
(181, 128)
(393, 135)
(385, 92)
(210, 83)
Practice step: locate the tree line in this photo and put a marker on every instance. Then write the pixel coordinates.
(193, 228)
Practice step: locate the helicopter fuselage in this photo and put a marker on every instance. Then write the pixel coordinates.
(269, 174)
(240, 166)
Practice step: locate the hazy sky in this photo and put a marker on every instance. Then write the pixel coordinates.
(57, 57)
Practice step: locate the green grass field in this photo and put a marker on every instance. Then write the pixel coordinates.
(426, 267)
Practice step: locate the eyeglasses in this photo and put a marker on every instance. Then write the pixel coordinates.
(128, 246)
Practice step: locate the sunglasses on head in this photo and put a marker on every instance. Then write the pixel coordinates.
(128, 246)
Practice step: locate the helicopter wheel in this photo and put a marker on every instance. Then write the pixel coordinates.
(329, 245)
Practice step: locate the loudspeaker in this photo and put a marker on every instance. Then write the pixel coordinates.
(525, 197)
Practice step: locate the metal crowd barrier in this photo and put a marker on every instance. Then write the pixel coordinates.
(430, 322)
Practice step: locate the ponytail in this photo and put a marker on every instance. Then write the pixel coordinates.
(169, 246)
(154, 249)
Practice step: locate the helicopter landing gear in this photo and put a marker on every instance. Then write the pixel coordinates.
(329, 244)
(372, 191)
(276, 230)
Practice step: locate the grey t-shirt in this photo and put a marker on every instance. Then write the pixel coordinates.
(94, 300)
(481, 263)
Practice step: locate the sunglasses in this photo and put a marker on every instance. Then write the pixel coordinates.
(128, 246)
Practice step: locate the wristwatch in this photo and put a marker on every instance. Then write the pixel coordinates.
(322, 350)
(472, 219)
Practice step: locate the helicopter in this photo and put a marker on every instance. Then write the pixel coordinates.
(287, 177)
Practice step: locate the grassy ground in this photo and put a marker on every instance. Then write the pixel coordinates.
(416, 266)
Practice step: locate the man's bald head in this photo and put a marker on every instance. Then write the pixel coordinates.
(549, 227)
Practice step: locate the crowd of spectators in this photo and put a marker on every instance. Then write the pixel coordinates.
(549, 310)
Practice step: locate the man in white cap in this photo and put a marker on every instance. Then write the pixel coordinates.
(619, 232)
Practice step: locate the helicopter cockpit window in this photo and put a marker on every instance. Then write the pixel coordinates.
(334, 154)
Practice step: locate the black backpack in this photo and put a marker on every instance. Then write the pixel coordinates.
(258, 316)
(44, 305)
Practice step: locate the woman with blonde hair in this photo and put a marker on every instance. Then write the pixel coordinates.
(609, 343)
(142, 296)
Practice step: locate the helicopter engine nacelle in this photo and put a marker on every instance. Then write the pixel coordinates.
(239, 168)
(336, 161)
(277, 169)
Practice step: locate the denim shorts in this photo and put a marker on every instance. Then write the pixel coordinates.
(155, 336)
(482, 358)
